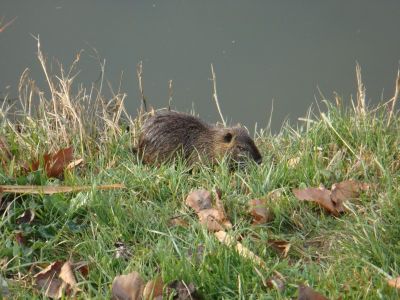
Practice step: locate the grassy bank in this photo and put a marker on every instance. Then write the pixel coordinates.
(120, 231)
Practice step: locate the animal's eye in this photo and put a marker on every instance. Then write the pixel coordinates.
(241, 148)
(228, 137)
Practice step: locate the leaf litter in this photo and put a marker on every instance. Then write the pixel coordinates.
(132, 287)
(213, 218)
(55, 164)
(259, 211)
(57, 280)
(333, 200)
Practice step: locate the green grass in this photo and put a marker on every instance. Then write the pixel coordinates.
(351, 256)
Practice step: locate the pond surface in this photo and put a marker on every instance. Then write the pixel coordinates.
(264, 52)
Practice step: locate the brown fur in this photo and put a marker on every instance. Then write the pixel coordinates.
(167, 133)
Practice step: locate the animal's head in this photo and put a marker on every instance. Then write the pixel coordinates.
(237, 143)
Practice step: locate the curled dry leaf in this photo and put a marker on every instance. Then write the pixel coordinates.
(82, 267)
(261, 214)
(26, 217)
(394, 282)
(307, 293)
(55, 164)
(153, 289)
(332, 200)
(74, 163)
(182, 290)
(282, 247)
(199, 200)
(322, 196)
(49, 282)
(57, 279)
(214, 219)
(67, 275)
(346, 190)
(127, 287)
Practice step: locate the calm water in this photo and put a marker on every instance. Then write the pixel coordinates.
(262, 51)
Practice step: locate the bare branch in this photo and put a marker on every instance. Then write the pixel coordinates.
(392, 102)
(215, 96)
(2, 28)
(139, 71)
(170, 93)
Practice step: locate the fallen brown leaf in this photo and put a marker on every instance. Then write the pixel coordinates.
(55, 164)
(153, 289)
(307, 293)
(57, 279)
(55, 189)
(346, 190)
(321, 196)
(67, 275)
(282, 247)
(82, 267)
(49, 282)
(213, 219)
(332, 200)
(261, 214)
(127, 287)
(199, 200)
(394, 282)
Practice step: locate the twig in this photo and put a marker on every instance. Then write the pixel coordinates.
(139, 71)
(55, 189)
(230, 241)
(2, 28)
(170, 94)
(392, 102)
(215, 96)
(42, 61)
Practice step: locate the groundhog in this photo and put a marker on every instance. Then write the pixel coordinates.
(167, 134)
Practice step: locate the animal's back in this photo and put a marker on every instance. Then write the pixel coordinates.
(168, 132)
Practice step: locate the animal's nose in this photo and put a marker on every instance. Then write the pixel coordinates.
(258, 160)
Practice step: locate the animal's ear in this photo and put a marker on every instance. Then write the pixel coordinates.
(228, 137)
